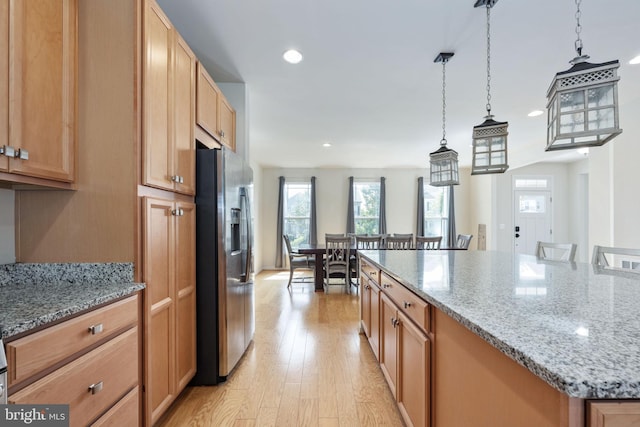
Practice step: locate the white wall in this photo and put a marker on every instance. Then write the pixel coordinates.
(579, 208)
(7, 227)
(332, 189)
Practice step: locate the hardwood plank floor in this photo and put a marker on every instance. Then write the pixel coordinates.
(307, 366)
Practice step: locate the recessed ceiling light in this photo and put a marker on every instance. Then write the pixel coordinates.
(326, 144)
(292, 56)
(535, 113)
(635, 60)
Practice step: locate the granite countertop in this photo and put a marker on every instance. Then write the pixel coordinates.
(573, 325)
(37, 294)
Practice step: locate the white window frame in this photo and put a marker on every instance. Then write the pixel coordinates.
(357, 218)
(288, 219)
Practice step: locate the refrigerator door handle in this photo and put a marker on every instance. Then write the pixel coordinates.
(244, 196)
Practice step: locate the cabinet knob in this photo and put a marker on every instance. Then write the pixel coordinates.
(407, 304)
(21, 154)
(177, 212)
(221, 133)
(96, 329)
(7, 150)
(95, 388)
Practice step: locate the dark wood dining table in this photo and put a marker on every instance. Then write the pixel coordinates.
(318, 250)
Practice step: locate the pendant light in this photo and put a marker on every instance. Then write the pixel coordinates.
(582, 102)
(489, 137)
(444, 161)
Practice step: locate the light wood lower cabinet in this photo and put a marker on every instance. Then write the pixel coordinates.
(613, 414)
(169, 308)
(405, 353)
(370, 306)
(97, 380)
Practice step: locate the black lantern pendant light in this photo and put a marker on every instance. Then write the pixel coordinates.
(582, 102)
(489, 137)
(444, 161)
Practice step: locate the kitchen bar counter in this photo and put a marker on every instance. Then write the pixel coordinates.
(33, 295)
(575, 327)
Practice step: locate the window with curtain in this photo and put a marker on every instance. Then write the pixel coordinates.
(366, 207)
(297, 212)
(435, 211)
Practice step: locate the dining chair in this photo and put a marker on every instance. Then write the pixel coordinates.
(297, 261)
(428, 243)
(337, 263)
(463, 240)
(623, 258)
(556, 251)
(369, 242)
(394, 242)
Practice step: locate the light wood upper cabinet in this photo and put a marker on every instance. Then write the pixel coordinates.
(214, 114)
(227, 124)
(184, 109)
(4, 82)
(168, 105)
(38, 78)
(207, 102)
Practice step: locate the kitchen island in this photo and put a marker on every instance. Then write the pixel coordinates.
(510, 339)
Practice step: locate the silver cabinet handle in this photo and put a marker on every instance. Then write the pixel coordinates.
(21, 154)
(221, 133)
(175, 178)
(95, 388)
(177, 212)
(96, 329)
(8, 151)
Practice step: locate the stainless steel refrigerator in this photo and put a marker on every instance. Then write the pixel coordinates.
(224, 258)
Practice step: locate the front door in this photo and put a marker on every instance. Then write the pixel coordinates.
(532, 220)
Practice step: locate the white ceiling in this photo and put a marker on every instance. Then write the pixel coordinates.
(368, 83)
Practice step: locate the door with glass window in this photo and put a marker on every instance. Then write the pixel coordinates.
(532, 220)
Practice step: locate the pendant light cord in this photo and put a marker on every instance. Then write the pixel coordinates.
(443, 142)
(578, 43)
(489, 58)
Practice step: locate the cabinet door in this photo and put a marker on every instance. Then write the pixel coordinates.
(374, 336)
(157, 98)
(207, 102)
(414, 373)
(160, 307)
(227, 124)
(388, 342)
(4, 82)
(365, 305)
(184, 114)
(186, 293)
(42, 89)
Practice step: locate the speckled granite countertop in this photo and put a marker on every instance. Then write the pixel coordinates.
(32, 295)
(575, 327)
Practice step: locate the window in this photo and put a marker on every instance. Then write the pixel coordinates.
(366, 207)
(435, 211)
(297, 212)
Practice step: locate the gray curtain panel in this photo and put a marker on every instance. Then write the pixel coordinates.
(351, 223)
(313, 222)
(420, 212)
(280, 225)
(451, 230)
(382, 218)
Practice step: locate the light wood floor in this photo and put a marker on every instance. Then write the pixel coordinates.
(307, 366)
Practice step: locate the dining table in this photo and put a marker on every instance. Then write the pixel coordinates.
(318, 250)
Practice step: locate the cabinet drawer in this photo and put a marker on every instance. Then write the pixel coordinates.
(409, 303)
(124, 413)
(29, 355)
(371, 271)
(113, 367)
